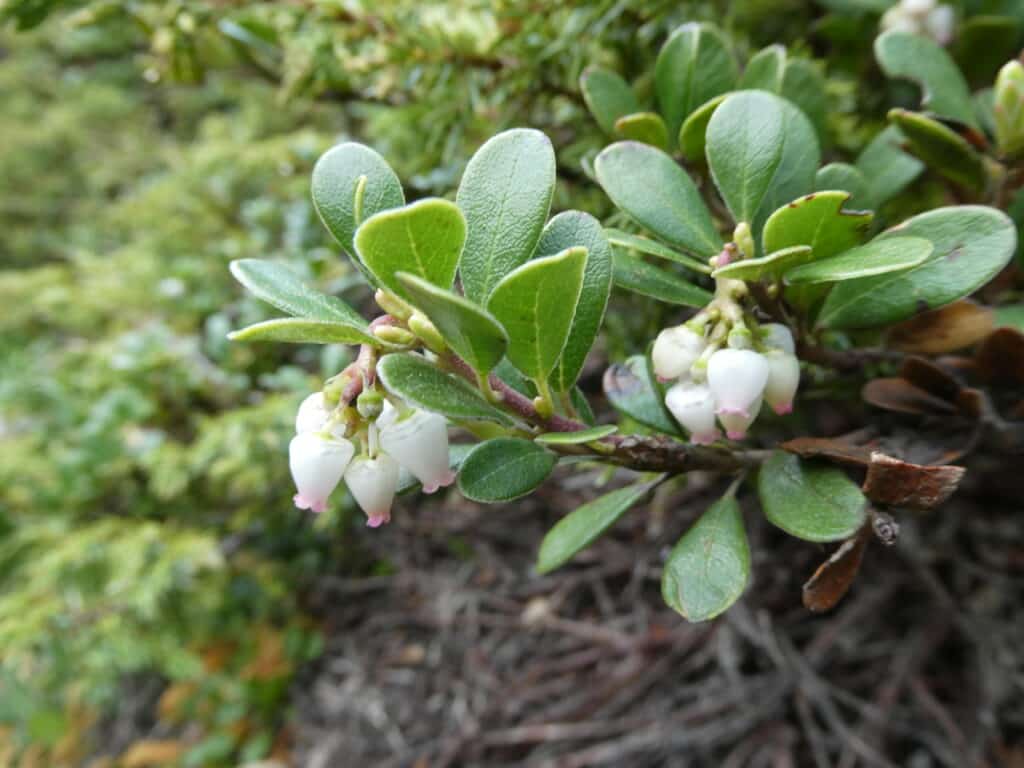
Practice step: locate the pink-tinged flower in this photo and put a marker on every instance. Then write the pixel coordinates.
(778, 336)
(372, 483)
(674, 351)
(737, 423)
(737, 378)
(693, 407)
(419, 442)
(783, 380)
(317, 463)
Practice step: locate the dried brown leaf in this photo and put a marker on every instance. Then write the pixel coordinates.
(954, 326)
(833, 578)
(1000, 358)
(837, 449)
(896, 483)
(894, 394)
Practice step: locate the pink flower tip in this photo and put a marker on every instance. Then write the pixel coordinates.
(663, 379)
(736, 434)
(376, 521)
(443, 482)
(316, 505)
(783, 408)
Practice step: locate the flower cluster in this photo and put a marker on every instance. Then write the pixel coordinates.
(391, 437)
(921, 17)
(727, 382)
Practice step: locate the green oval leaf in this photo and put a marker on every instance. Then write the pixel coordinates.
(298, 330)
(503, 469)
(765, 70)
(920, 60)
(767, 267)
(536, 304)
(693, 133)
(424, 238)
(576, 438)
(608, 97)
(631, 389)
(505, 195)
(762, 151)
(709, 567)
(337, 176)
(473, 333)
(582, 527)
(566, 230)
(416, 380)
(804, 85)
(810, 501)
(972, 243)
(876, 258)
(886, 167)
(645, 127)
(695, 64)
(654, 248)
(636, 275)
(845, 177)
(942, 149)
(656, 193)
(279, 286)
(817, 220)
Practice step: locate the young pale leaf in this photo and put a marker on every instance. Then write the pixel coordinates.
(302, 331)
(416, 380)
(817, 220)
(568, 229)
(810, 501)
(765, 70)
(423, 238)
(338, 175)
(762, 151)
(631, 389)
(279, 286)
(917, 58)
(942, 149)
(470, 331)
(694, 65)
(645, 127)
(582, 527)
(845, 177)
(636, 275)
(694, 130)
(503, 469)
(656, 193)
(576, 438)
(769, 267)
(972, 243)
(876, 258)
(654, 248)
(536, 304)
(608, 97)
(886, 167)
(709, 567)
(506, 195)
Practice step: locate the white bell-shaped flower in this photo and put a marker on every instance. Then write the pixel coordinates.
(737, 378)
(736, 423)
(783, 380)
(419, 442)
(940, 24)
(917, 7)
(317, 463)
(675, 350)
(372, 483)
(313, 414)
(693, 406)
(778, 336)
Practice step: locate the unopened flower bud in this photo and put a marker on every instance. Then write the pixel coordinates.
(783, 380)
(737, 378)
(744, 239)
(370, 403)
(427, 332)
(317, 463)
(777, 336)
(693, 406)
(392, 334)
(737, 423)
(393, 305)
(1009, 108)
(372, 483)
(740, 337)
(419, 442)
(675, 350)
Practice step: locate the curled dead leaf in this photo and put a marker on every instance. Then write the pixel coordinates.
(1000, 358)
(833, 578)
(895, 483)
(897, 394)
(949, 328)
(930, 377)
(842, 450)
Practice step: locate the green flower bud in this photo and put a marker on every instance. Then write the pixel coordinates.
(392, 334)
(427, 333)
(1009, 108)
(744, 240)
(393, 305)
(370, 403)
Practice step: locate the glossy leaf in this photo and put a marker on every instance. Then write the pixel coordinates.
(845, 177)
(693, 133)
(636, 275)
(694, 65)
(886, 167)
(584, 525)
(817, 220)
(281, 287)
(811, 501)
(656, 193)
(422, 384)
(765, 70)
(503, 469)
(772, 266)
(709, 567)
(505, 195)
(576, 438)
(645, 127)
(653, 248)
(972, 244)
(608, 97)
(536, 304)
(941, 149)
(878, 257)
(298, 330)
(337, 179)
(566, 230)
(631, 389)
(424, 238)
(473, 333)
(919, 59)
(804, 85)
